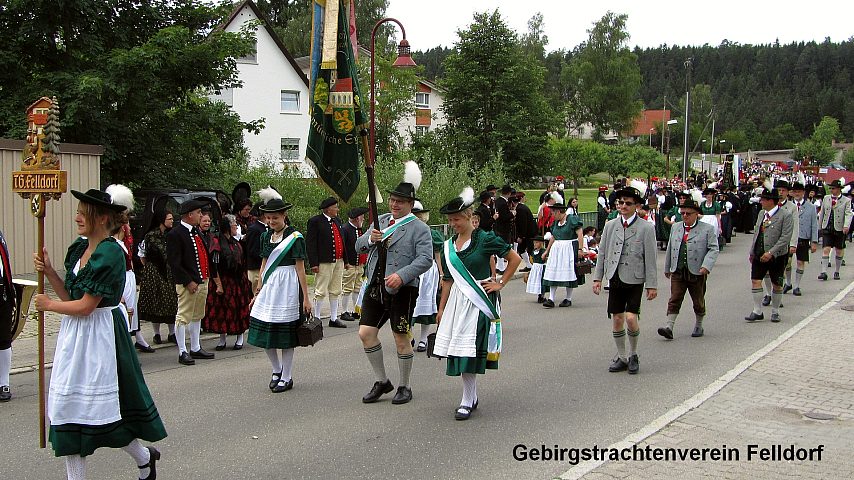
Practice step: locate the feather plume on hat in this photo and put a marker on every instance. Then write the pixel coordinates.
(640, 185)
(467, 195)
(842, 180)
(121, 195)
(801, 178)
(846, 189)
(556, 197)
(377, 193)
(417, 206)
(412, 174)
(713, 185)
(697, 195)
(768, 184)
(269, 193)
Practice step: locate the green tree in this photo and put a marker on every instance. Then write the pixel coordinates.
(818, 148)
(604, 79)
(494, 98)
(848, 159)
(616, 161)
(131, 77)
(573, 158)
(782, 137)
(827, 131)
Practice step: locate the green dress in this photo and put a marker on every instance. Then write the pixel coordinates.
(475, 257)
(277, 310)
(567, 231)
(102, 276)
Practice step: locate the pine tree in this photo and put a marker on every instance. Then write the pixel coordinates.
(51, 129)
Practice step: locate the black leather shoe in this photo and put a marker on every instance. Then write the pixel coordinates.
(356, 316)
(157, 339)
(822, 276)
(565, 303)
(219, 348)
(422, 347)
(154, 456)
(775, 317)
(347, 317)
(275, 379)
(698, 332)
(143, 348)
(634, 365)
(547, 303)
(5, 393)
(201, 354)
(283, 386)
(666, 332)
(171, 339)
(237, 346)
(403, 395)
(766, 300)
(185, 359)
(337, 324)
(787, 289)
(379, 389)
(463, 413)
(618, 365)
(539, 299)
(836, 275)
(754, 317)
(796, 292)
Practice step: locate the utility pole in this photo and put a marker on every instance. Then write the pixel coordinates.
(712, 144)
(663, 123)
(688, 64)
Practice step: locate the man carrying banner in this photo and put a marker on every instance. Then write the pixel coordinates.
(393, 286)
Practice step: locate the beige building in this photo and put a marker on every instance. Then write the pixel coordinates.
(20, 227)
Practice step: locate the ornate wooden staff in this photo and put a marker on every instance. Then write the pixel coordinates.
(39, 180)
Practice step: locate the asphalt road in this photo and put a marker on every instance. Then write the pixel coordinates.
(553, 388)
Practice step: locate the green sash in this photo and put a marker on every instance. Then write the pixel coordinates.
(278, 255)
(388, 231)
(467, 284)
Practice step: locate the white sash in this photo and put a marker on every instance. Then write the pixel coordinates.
(467, 284)
(276, 255)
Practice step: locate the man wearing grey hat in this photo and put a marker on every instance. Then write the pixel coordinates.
(769, 253)
(188, 260)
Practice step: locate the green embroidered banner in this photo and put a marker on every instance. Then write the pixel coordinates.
(336, 103)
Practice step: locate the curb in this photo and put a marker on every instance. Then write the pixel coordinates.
(673, 414)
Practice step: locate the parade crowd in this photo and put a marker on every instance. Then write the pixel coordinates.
(249, 280)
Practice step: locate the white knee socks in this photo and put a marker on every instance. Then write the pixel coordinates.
(469, 389)
(287, 363)
(195, 334)
(333, 308)
(345, 302)
(6, 365)
(75, 467)
(552, 292)
(273, 355)
(181, 338)
(140, 455)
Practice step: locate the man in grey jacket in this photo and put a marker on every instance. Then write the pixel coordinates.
(769, 253)
(691, 254)
(807, 235)
(627, 259)
(393, 290)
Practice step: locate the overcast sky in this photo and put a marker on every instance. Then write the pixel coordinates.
(433, 23)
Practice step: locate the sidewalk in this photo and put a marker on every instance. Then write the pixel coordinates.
(799, 392)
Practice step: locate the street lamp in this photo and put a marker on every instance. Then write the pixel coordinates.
(721, 151)
(403, 60)
(667, 149)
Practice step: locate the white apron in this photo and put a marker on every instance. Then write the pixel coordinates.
(535, 279)
(278, 300)
(84, 385)
(711, 220)
(129, 295)
(560, 266)
(427, 287)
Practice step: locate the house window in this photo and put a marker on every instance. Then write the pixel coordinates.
(226, 96)
(290, 149)
(290, 101)
(251, 57)
(422, 100)
(421, 130)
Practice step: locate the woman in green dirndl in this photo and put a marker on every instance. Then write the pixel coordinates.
(98, 397)
(468, 310)
(563, 250)
(281, 300)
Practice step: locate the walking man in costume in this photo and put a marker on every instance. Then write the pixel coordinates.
(393, 285)
(691, 254)
(807, 235)
(7, 309)
(627, 260)
(782, 187)
(188, 259)
(769, 253)
(325, 245)
(834, 221)
(354, 266)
